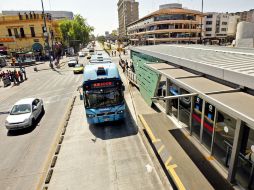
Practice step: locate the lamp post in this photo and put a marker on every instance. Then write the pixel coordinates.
(201, 25)
(45, 33)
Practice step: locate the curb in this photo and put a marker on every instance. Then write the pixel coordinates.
(55, 148)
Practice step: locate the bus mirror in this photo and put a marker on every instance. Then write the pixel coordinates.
(81, 97)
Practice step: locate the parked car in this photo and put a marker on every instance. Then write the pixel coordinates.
(24, 113)
(79, 68)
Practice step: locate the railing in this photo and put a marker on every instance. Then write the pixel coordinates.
(131, 76)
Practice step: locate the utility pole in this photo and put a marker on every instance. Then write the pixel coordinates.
(46, 35)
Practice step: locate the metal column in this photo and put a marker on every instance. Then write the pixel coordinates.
(168, 101)
(191, 111)
(202, 121)
(235, 151)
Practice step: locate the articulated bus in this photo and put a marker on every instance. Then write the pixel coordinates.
(103, 93)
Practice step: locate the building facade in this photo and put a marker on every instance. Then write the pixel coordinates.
(170, 24)
(56, 15)
(220, 27)
(128, 12)
(25, 32)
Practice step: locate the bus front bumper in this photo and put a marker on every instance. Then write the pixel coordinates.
(107, 118)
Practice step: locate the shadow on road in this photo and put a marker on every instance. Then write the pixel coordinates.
(4, 112)
(26, 130)
(113, 130)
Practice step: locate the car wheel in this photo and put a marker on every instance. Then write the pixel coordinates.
(33, 122)
(42, 110)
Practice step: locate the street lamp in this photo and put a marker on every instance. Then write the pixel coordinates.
(45, 33)
(201, 25)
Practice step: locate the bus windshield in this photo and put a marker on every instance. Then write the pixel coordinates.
(103, 97)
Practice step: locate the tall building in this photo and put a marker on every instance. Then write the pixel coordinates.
(25, 32)
(128, 12)
(170, 24)
(56, 15)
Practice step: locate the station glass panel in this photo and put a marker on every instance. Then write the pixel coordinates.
(223, 137)
(208, 125)
(245, 166)
(197, 116)
(184, 109)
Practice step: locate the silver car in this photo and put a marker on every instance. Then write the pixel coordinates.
(24, 113)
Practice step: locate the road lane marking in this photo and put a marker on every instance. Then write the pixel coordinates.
(148, 129)
(161, 148)
(171, 170)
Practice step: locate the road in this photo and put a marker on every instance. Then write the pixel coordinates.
(108, 156)
(23, 153)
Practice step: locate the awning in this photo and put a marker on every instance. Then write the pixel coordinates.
(239, 101)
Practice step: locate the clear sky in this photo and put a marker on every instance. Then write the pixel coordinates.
(102, 14)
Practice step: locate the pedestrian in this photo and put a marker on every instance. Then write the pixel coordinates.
(20, 76)
(127, 64)
(115, 53)
(16, 75)
(112, 52)
(24, 72)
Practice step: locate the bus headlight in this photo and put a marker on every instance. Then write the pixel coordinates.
(90, 115)
(120, 112)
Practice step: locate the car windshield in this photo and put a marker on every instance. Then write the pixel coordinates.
(21, 109)
(103, 98)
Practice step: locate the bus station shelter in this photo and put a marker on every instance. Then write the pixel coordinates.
(210, 91)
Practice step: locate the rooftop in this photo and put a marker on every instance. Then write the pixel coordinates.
(234, 65)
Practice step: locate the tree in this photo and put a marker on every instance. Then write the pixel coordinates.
(75, 32)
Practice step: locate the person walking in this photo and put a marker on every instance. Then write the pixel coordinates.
(20, 76)
(24, 72)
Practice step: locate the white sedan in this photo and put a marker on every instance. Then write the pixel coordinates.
(24, 113)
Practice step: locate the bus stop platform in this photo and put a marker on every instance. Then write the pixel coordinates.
(187, 167)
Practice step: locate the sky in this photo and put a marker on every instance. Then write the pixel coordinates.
(102, 14)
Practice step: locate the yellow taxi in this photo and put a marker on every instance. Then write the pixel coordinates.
(79, 68)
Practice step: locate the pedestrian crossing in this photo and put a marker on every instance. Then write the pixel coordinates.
(51, 88)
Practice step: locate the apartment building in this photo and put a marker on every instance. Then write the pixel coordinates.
(170, 24)
(220, 27)
(128, 12)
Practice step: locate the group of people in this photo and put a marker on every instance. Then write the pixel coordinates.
(113, 53)
(13, 76)
(125, 65)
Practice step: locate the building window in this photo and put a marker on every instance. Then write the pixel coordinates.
(32, 31)
(208, 29)
(208, 35)
(22, 33)
(223, 29)
(224, 23)
(209, 22)
(16, 33)
(209, 16)
(9, 32)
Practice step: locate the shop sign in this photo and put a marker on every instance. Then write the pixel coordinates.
(5, 40)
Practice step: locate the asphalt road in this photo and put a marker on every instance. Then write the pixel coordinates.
(23, 153)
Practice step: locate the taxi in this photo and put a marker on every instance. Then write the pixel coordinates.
(79, 68)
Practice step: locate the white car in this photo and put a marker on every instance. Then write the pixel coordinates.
(81, 54)
(24, 113)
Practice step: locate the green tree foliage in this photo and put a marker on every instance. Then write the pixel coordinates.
(75, 31)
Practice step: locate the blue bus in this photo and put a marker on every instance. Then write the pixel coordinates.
(103, 93)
